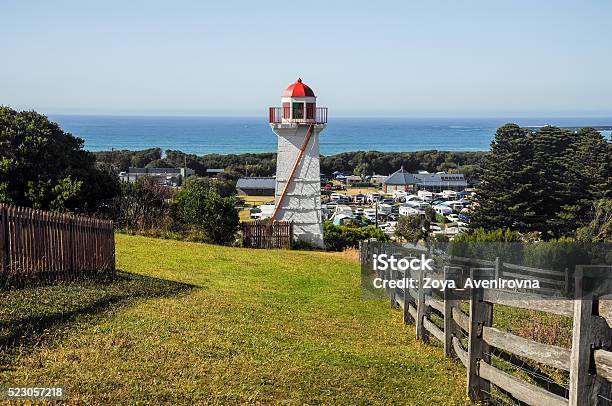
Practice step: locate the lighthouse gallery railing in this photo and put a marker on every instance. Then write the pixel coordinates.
(278, 114)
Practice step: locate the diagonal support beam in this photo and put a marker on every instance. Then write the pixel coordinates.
(296, 164)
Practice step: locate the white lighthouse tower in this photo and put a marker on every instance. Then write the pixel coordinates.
(298, 124)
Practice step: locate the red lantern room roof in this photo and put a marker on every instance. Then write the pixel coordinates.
(298, 89)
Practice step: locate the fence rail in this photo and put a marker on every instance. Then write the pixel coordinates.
(36, 244)
(267, 234)
(471, 337)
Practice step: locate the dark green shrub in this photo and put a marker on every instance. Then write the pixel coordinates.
(201, 206)
(339, 238)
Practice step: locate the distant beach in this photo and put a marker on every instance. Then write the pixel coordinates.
(227, 135)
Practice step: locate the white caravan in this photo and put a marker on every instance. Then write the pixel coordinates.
(425, 195)
(409, 211)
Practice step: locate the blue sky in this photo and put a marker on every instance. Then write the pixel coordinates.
(374, 58)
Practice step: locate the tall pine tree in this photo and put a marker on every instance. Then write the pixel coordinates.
(544, 181)
(506, 178)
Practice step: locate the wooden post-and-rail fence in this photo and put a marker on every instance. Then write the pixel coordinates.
(267, 234)
(37, 244)
(471, 337)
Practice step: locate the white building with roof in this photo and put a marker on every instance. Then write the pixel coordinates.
(402, 180)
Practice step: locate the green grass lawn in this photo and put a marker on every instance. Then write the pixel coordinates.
(192, 323)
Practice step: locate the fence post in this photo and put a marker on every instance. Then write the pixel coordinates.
(581, 348)
(391, 290)
(4, 242)
(394, 276)
(112, 249)
(70, 244)
(497, 268)
(450, 301)
(421, 333)
(481, 314)
(408, 319)
(589, 332)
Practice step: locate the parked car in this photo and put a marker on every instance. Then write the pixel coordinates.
(441, 209)
(373, 197)
(399, 196)
(370, 214)
(408, 211)
(344, 210)
(425, 195)
(453, 218)
(449, 194)
(464, 217)
(359, 198)
(438, 200)
(384, 208)
(390, 229)
(367, 220)
(387, 228)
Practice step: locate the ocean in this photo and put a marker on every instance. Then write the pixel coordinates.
(227, 135)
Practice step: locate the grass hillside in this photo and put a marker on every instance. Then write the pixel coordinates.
(192, 323)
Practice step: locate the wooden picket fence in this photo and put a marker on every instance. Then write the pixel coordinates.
(37, 244)
(471, 338)
(267, 234)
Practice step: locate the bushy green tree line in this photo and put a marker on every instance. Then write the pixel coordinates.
(197, 212)
(42, 166)
(544, 181)
(360, 163)
(339, 238)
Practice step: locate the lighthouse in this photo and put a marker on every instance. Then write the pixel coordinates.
(298, 123)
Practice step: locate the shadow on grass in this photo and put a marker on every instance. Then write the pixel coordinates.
(31, 315)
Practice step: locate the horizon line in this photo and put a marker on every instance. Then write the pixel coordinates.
(264, 117)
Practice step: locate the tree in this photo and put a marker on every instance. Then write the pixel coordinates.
(363, 170)
(589, 165)
(120, 161)
(413, 228)
(44, 167)
(339, 238)
(482, 235)
(224, 184)
(202, 206)
(599, 229)
(544, 181)
(507, 178)
(143, 205)
(554, 190)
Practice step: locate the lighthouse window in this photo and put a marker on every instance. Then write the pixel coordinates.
(310, 111)
(298, 111)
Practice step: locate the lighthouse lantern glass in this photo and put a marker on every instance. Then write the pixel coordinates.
(298, 111)
(310, 109)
